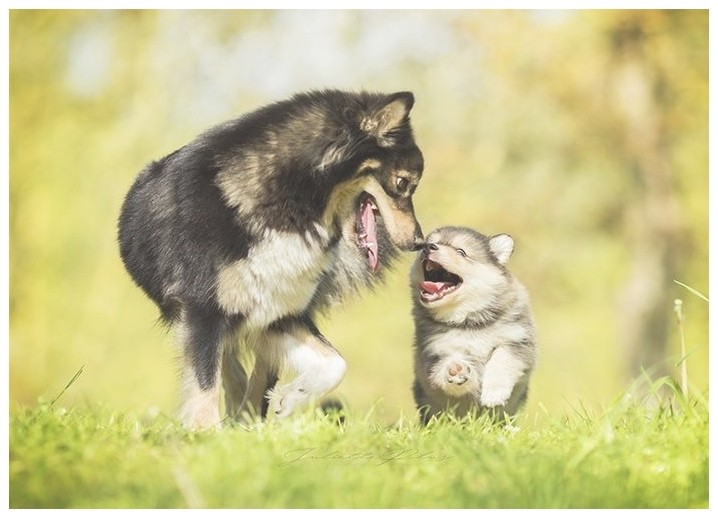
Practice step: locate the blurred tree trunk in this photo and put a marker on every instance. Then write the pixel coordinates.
(653, 217)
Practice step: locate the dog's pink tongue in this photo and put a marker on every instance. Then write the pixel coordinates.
(432, 287)
(372, 247)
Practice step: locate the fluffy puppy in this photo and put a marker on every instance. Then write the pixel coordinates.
(475, 342)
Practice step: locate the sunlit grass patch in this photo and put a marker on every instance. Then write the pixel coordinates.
(625, 456)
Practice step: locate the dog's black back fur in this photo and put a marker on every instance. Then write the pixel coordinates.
(173, 223)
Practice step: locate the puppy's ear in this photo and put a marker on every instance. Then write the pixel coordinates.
(390, 116)
(502, 246)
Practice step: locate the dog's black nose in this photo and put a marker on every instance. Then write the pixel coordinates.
(418, 239)
(425, 247)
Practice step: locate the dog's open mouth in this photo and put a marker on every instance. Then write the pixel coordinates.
(438, 282)
(366, 230)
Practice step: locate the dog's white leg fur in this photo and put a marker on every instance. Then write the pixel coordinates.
(502, 372)
(316, 366)
(200, 408)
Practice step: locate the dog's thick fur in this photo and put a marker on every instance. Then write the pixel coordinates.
(475, 343)
(242, 235)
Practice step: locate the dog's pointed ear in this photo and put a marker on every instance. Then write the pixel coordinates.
(502, 246)
(392, 114)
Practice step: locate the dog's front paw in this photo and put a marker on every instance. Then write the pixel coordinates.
(283, 401)
(495, 396)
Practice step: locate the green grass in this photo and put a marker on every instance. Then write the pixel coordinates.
(626, 456)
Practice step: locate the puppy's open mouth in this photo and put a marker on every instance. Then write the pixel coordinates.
(438, 282)
(366, 230)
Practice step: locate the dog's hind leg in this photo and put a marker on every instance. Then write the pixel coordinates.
(234, 381)
(264, 378)
(315, 366)
(264, 345)
(202, 334)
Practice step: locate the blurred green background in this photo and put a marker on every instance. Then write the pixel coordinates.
(584, 134)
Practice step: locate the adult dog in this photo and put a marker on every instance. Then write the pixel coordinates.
(242, 235)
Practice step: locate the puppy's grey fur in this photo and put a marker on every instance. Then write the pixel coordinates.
(475, 342)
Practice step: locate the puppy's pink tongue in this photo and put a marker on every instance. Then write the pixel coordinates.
(432, 287)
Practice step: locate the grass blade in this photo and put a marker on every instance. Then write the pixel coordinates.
(69, 384)
(693, 291)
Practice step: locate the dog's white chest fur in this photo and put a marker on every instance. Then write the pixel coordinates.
(278, 277)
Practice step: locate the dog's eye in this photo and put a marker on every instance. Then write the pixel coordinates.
(402, 184)
(461, 252)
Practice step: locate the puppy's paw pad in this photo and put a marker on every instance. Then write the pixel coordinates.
(458, 379)
(457, 373)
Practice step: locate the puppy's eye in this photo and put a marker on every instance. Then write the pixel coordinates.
(402, 184)
(461, 252)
